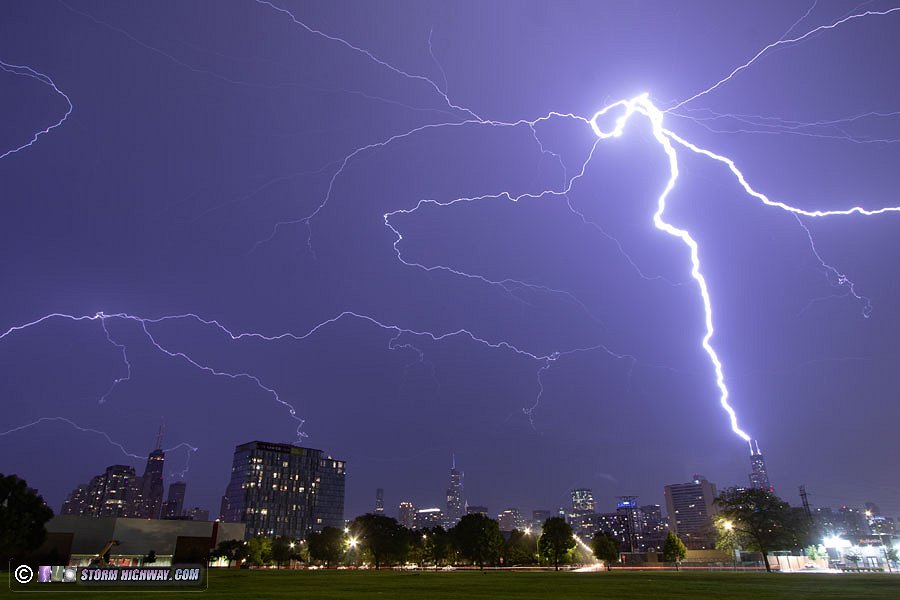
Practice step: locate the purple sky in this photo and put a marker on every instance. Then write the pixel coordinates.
(199, 126)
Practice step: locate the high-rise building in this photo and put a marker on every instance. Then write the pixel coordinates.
(628, 507)
(759, 476)
(284, 490)
(455, 503)
(407, 514)
(690, 508)
(614, 525)
(477, 510)
(538, 517)
(582, 503)
(379, 501)
(428, 518)
(110, 494)
(654, 527)
(197, 514)
(510, 519)
(175, 502)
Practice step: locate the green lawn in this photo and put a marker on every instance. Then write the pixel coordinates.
(250, 585)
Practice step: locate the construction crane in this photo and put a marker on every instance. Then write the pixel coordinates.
(102, 557)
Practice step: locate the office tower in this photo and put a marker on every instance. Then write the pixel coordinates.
(653, 526)
(455, 502)
(379, 501)
(510, 519)
(538, 517)
(407, 514)
(759, 476)
(284, 490)
(477, 510)
(109, 494)
(582, 503)
(175, 502)
(628, 507)
(428, 518)
(690, 508)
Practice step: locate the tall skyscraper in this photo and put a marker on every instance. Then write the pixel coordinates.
(538, 517)
(759, 476)
(379, 501)
(407, 514)
(284, 490)
(175, 502)
(455, 503)
(690, 508)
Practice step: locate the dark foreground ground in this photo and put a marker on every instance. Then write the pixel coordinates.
(250, 585)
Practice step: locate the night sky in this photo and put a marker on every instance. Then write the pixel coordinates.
(198, 127)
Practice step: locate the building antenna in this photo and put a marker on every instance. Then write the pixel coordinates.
(161, 433)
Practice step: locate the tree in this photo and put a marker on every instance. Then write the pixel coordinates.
(284, 549)
(478, 539)
(605, 548)
(437, 546)
(382, 537)
(674, 549)
(556, 540)
(23, 516)
(519, 549)
(234, 551)
(762, 521)
(259, 551)
(326, 546)
(815, 552)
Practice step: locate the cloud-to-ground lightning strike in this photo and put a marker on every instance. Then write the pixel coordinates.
(641, 105)
(26, 71)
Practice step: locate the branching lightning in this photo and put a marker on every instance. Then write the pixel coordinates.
(25, 71)
(623, 110)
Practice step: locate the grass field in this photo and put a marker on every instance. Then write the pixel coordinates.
(250, 585)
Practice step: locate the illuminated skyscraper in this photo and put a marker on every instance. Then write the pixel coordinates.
(407, 516)
(379, 501)
(759, 477)
(284, 490)
(582, 503)
(690, 508)
(455, 503)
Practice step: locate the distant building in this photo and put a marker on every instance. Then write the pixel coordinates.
(197, 514)
(538, 517)
(110, 494)
(614, 525)
(284, 490)
(690, 508)
(379, 501)
(759, 476)
(582, 503)
(407, 514)
(627, 506)
(654, 527)
(427, 518)
(455, 501)
(175, 502)
(510, 519)
(477, 510)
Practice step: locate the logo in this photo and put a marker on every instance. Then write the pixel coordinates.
(23, 574)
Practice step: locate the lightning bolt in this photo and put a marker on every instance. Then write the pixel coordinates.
(642, 105)
(26, 71)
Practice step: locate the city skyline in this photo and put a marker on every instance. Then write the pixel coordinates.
(569, 255)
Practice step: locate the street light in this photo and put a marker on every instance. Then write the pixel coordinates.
(728, 525)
